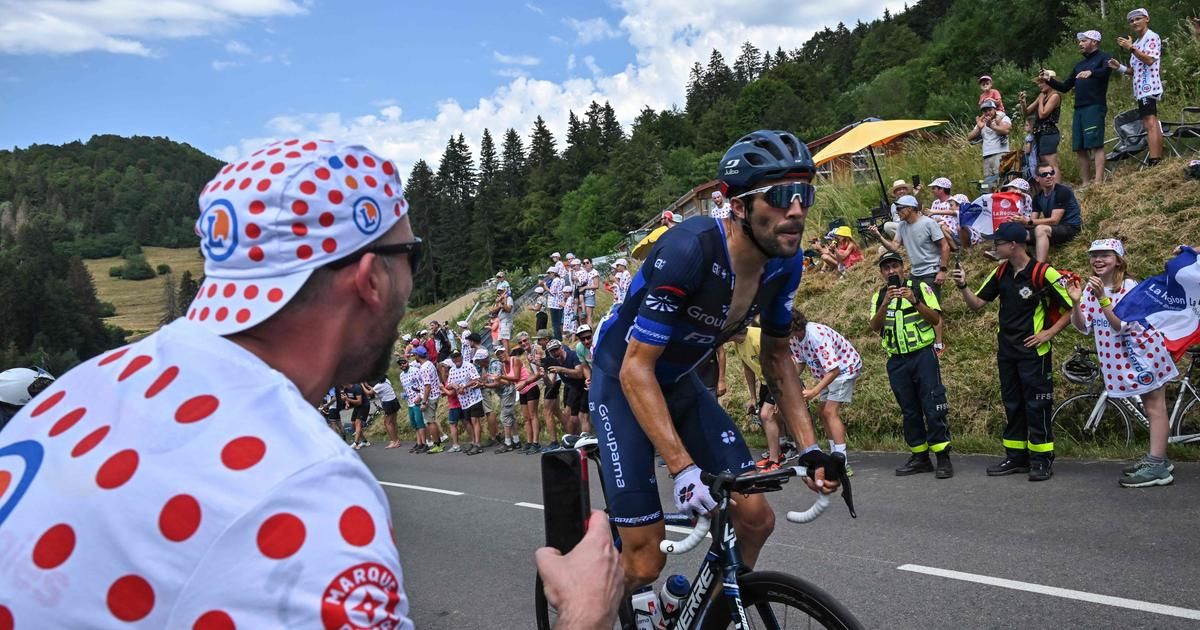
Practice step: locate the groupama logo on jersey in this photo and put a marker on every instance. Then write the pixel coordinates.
(19, 463)
(367, 216)
(219, 230)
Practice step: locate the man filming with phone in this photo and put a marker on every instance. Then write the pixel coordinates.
(703, 281)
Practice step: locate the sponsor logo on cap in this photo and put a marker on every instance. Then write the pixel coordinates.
(219, 228)
(366, 215)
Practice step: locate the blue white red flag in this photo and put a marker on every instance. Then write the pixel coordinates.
(1169, 302)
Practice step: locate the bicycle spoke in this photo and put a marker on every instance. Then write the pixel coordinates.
(1071, 422)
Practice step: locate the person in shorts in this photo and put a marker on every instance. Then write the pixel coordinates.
(1056, 217)
(431, 393)
(1145, 56)
(331, 408)
(566, 368)
(498, 371)
(504, 314)
(410, 384)
(552, 387)
(354, 396)
(463, 381)
(591, 284)
(388, 402)
(835, 364)
(482, 359)
(1089, 79)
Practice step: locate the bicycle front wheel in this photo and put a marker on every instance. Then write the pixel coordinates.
(1070, 419)
(778, 600)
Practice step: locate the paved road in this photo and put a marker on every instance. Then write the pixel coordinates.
(468, 558)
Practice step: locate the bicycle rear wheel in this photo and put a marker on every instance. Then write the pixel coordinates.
(1187, 427)
(778, 600)
(1071, 416)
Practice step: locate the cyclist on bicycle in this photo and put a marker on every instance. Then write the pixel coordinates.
(703, 281)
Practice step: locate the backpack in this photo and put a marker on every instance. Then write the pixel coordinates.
(1054, 309)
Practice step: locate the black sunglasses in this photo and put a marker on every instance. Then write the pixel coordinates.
(1046, 174)
(414, 249)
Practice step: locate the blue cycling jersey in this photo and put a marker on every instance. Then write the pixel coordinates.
(680, 299)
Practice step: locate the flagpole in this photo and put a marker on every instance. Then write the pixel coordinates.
(879, 175)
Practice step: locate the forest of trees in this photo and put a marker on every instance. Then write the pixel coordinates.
(526, 193)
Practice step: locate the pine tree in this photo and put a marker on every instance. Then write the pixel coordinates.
(543, 159)
(718, 78)
(170, 300)
(611, 134)
(512, 165)
(483, 225)
(187, 290)
(697, 94)
(746, 67)
(421, 195)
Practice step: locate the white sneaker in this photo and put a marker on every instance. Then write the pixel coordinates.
(364, 443)
(455, 449)
(355, 446)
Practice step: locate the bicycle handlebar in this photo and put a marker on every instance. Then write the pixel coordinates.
(703, 523)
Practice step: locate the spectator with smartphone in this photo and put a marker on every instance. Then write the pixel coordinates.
(904, 314)
(992, 127)
(928, 251)
(1089, 79)
(1145, 54)
(1045, 110)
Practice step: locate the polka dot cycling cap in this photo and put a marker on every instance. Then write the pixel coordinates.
(268, 220)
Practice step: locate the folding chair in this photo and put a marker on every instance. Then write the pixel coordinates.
(1187, 129)
(1130, 140)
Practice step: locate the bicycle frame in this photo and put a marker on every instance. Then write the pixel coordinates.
(1181, 405)
(721, 555)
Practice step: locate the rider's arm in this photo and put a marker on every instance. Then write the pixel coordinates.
(645, 398)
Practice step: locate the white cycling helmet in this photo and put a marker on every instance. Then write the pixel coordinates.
(19, 385)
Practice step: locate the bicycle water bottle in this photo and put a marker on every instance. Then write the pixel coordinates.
(647, 611)
(673, 592)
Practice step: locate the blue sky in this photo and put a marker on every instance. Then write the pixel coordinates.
(225, 75)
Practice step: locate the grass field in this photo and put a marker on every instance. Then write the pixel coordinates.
(140, 303)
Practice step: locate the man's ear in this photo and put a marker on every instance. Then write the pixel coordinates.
(737, 207)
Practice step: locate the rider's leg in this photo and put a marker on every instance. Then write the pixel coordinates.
(753, 520)
(640, 556)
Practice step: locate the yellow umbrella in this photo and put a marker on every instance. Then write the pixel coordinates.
(874, 133)
(640, 250)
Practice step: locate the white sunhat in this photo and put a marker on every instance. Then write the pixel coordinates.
(556, 255)
(539, 290)
(1093, 35)
(620, 261)
(1018, 183)
(1108, 244)
(552, 270)
(462, 323)
(942, 182)
(269, 220)
(480, 355)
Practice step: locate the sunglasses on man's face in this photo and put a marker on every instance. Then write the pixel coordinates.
(414, 249)
(1046, 174)
(781, 196)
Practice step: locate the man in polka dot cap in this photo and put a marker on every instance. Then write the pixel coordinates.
(187, 480)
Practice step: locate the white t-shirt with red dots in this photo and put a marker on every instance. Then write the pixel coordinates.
(1134, 361)
(823, 349)
(180, 482)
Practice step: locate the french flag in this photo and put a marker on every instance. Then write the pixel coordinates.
(1169, 302)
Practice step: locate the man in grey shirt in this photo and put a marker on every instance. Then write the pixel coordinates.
(928, 251)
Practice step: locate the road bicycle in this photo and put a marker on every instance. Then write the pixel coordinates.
(1095, 417)
(741, 599)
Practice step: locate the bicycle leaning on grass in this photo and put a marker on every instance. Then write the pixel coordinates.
(1095, 417)
(745, 599)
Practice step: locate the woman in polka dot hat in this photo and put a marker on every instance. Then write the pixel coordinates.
(170, 482)
(1133, 358)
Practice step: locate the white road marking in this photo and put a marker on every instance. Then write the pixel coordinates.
(671, 528)
(529, 505)
(1083, 596)
(421, 488)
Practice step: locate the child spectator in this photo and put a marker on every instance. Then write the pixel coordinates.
(986, 92)
(835, 364)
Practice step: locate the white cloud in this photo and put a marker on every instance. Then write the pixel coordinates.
(515, 60)
(592, 30)
(122, 26)
(511, 73)
(219, 65)
(237, 48)
(535, 8)
(667, 37)
(590, 62)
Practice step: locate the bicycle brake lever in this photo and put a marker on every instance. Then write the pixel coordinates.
(847, 494)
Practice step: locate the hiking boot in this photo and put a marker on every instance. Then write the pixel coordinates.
(945, 469)
(1141, 463)
(504, 448)
(917, 463)
(435, 449)
(1040, 471)
(1007, 467)
(1148, 475)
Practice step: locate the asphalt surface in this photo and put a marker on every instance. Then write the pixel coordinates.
(468, 559)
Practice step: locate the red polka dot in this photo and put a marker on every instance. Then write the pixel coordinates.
(335, 196)
(67, 421)
(274, 295)
(356, 526)
(253, 231)
(257, 165)
(308, 187)
(54, 399)
(245, 184)
(351, 161)
(369, 161)
(273, 151)
(229, 184)
(204, 313)
(299, 229)
(179, 518)
(292, 155)
(292, 142)
(6, 618)
(263, 185)
(370, 181)
(116, 470)
(280, 536)
(90, 441)
(277, 168)
(221, 314)
(54, 547)
(321, 173)
(1122, 388)
(228, 167)
(329, 245)
(130, 598)
(242, 453)
(396, 209)
(215, 619)
(387, 189)
(309, 146)
(212, 289)
(229, 290)
(257, 207)
(299, 207)
(105, 361)
(243, 315)
(326, 219)
(255, 253)
(192, 313)
(196, 409)
(136, 364)
(251, 292)
(241, 167)
(304, 252)
(389, 168)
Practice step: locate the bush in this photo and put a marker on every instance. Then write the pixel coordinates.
(163, 269)
(131, 250)
(116, 272)
(136, 268)
(108, 309)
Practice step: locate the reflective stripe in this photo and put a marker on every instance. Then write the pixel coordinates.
(1018, 445)
(1048, 447)
(921, 448)
(939, 447)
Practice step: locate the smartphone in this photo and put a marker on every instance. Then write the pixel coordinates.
(893, 281)
(567, 505)
(916, 181)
